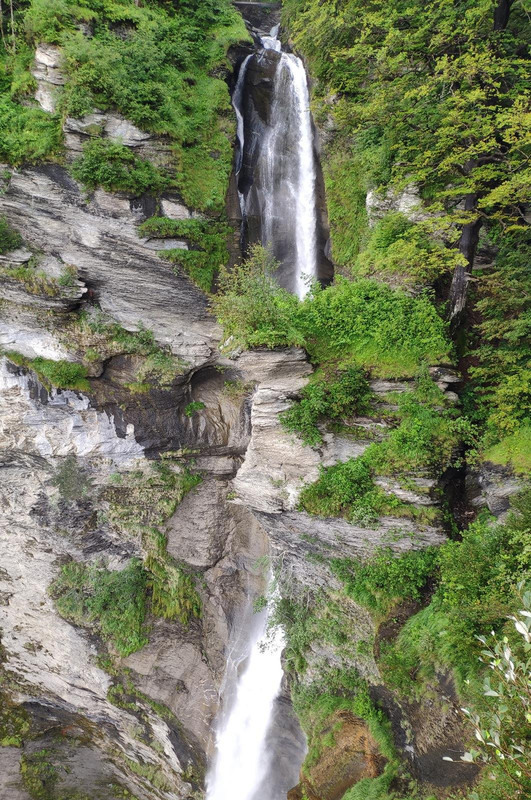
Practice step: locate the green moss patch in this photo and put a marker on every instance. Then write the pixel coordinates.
(59, 374)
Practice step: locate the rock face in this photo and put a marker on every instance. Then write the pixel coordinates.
(47, 73)
(98, 236)
(354, 756)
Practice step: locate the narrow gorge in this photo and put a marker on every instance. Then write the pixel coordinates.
(264, 400)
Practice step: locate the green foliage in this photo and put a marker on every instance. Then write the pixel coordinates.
(369, 324)
(9, 239)
(160, 64)
(389, 99)
(502, 729)
(114, 603)
(334, 395)
(207, 240)
(476, 592)
(387, 579)
(161, 76)
(350, 323)
(39, 775)
(499, 394)
(33, 280)
(27, 134)
(397, 247)
(427, 438)
(253, 310)
(98, 338)
(116, 168)
(337, 689)
(513, 450)
(61, 374)
(347, 489)
(345, 201)
(14, 723)
(193, 407)
(174, 595)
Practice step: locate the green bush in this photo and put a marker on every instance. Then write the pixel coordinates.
(428, 438)
(208, 242)
(332, 395)
(345, 202)
(174, 595)
(61, 374)
(398, 247)
(386, 579)
(360, 323)
(366, 323)
(114, 603)
(253, 310)
(477, 591)
(9, 239)
(193, 407)
(116, 168)
(27, 135)
(347, 489)
(335, 689)
(499, 394)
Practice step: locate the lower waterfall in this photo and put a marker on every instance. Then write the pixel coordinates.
(242, 757)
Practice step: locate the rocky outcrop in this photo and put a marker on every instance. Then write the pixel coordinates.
(98, 237)
(491, 486)
(351, 756)
(48, 75)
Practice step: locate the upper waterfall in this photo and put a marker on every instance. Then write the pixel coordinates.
(276, 163)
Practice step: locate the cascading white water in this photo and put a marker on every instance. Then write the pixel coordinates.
(237, 103)
(305, 194)
(242, 759)
(284, 190)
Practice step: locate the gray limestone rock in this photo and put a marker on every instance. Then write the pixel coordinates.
(129, 280)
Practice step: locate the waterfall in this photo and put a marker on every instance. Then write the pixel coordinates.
(305, 193)
(275, 164)
(242, 758)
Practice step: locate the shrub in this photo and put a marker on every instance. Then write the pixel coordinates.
(27, 134)
(332, 395)
(502, 728)
(347, 489)
(386, 579)
(253, 310)
(61, 374)
(208, 240)
(174, 595)
(477, 590)
(112, 602)
(9, 239)
(193, 407)
(115, 168)
(396, 246)
(366, 323)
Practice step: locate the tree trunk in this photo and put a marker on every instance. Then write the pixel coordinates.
(2, 25)
(13, 35)
(501, 14)
(467, 246)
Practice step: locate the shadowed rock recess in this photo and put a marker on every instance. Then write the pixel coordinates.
(189, 451)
